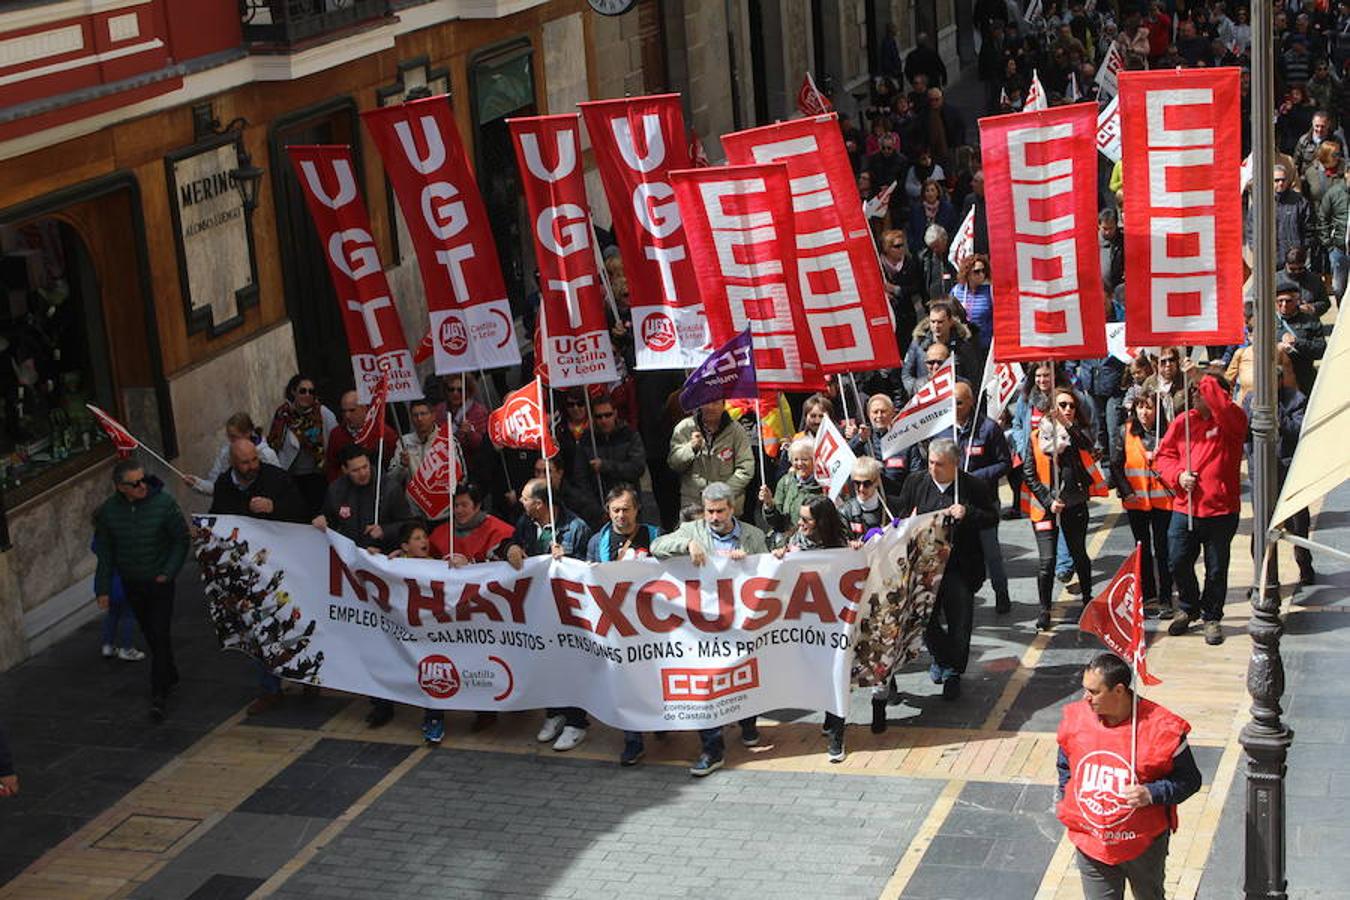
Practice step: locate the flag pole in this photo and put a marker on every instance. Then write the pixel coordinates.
(595, 449)
(975, 414)
(379, 468)
(956, 433)
(1052, 413)
(492, 405)
(759, 416)
(552, 410)
(450, 479)
(1136, 626)
(171, 467)
(1190, 494)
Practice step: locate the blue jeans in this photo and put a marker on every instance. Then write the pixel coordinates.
(993, 559)
(711, 738)
(1063, 561)
(1340, 268)
(1214, 536)
(268, 683)
(118, 622)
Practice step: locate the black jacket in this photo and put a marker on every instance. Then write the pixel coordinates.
(623, 460)
(1310, 343)
(920, 495)
(349, 509)
(272, 483)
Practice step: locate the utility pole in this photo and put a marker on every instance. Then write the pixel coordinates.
(1265, 738)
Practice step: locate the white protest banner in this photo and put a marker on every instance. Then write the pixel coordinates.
(1108, 130)
(1000, 387)
(928, 412)
(642, 645)
(1110, 68)
(963, 242)
(834, 460)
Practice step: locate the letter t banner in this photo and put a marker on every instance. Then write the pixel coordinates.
(1041, 197)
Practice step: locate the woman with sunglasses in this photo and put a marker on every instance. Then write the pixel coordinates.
(779, 507)
(820, 528)
(1061, 475)
(298, 434)
(866, 509)
(973, 291)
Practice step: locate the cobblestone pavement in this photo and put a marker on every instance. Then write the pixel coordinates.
(954, 800)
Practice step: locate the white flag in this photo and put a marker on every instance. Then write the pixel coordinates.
(927, 413)
(877, 206)
(1000, 387)
(1111, 66)
(1108, 130)
(1035, 95)
(1245, 175)
(963, 242)
(1071, 93)
(834, 460)
(1033, 12)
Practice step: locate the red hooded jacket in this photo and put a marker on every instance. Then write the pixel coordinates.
(1215, 457)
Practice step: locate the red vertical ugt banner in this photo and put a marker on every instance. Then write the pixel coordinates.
(471, 323)
(638, 141)
(1041, 196)
(739, 223)
(374, 332)
(572, 308)
(846, 307)
(1181, 144)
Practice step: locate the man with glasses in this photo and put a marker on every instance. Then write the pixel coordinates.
(1294, 225)
(1301, 335)
(984, 455)
(867, 442)
(140, 534)
(612, 453)
(1313, 298)
(940, 327)
(1169, 381)
(352, 415)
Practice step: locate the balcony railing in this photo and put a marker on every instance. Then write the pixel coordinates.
(291, 22)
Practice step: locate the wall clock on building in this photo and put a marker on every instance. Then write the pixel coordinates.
(612, 7)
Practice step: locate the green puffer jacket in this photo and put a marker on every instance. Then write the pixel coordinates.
(140, 540)
(1332, 213)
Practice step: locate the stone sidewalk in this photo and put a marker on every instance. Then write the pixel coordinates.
(955, 800)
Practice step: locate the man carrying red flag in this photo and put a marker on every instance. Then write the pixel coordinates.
(1124, 767)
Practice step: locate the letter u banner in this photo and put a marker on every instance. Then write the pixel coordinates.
(369, 318)
(471, 320)
(1041, 197)
(1181, 142)
(638, 141)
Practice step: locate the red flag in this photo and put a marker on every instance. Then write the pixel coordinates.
(369, 318)
(456, 255)
(843, 296)
(431, 487)
(1116, 615)
(1041, 198)
(424, 349)
(374, 421)
(572, 304)
(810, 101)
(520, 421)
(1181, 152)
(739, 222)
(637, 142)
(116, 432)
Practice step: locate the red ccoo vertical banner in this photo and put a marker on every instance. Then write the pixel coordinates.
(739, 222)
(1181, 146)
(572, 305)
(471, 323)
(847, 310)
(638, 141)
(1041, 197)
(374, 332)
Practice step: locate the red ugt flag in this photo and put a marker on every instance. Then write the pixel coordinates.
(115, 430)
(374, 421)
(1116, 615)
(810, 101)
(432, 486)
(520, 421)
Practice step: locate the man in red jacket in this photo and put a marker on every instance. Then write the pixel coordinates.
(1199, 460)
(1119, 798)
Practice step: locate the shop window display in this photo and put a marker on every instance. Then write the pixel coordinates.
(53, 358)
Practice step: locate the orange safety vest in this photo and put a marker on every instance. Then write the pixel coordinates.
(1030, 506)
(1148, 487)
(1098, 821)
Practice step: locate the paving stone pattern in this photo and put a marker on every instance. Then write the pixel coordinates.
(469, 825)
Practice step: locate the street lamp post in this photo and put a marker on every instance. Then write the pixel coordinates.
(1265, 738)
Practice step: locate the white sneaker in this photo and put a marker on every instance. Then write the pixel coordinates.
(108, 651)
(570, 737)
(130, 654)
(553, 727)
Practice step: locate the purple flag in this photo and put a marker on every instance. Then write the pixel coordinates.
(728, 372)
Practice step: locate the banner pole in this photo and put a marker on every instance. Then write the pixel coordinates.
(843, 392)
(450, 480)
(595, 449)
(548, 471)
(956, 433)
(379, 468)
(1190, 495)
(1051, 413)
(171, 467)
(759, 417)
(604, 275)
(975, 413)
